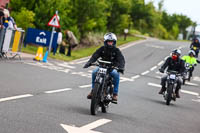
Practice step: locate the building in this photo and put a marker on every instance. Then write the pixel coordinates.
(4, 3)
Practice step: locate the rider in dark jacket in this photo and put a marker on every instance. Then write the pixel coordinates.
(195, 45)
(109, 52)
(173, 63)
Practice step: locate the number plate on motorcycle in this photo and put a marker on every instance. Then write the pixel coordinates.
(172, 76)
(102, 70)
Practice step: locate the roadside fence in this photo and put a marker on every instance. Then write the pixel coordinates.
(11, 42)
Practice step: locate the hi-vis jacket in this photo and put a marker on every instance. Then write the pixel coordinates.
(190, 60)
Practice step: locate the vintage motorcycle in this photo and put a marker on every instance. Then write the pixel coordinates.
(169, 94)
(196, 50)
(103, 87)
(186, 73)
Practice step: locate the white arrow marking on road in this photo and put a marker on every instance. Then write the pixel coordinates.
(87, 128)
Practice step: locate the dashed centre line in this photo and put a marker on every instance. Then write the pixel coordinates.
(15, 97)
(60, 90)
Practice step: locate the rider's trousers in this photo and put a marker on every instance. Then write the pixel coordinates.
(114, 74)
(164, 79)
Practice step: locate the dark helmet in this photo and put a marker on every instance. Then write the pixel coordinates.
(110, 37)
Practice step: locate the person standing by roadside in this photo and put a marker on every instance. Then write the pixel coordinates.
(71, 40)
(8, 21)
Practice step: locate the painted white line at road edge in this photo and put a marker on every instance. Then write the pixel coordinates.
(85, 86)
(60, 90)
(144, 73)
(15, 97)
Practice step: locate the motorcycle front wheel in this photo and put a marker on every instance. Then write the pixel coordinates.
(95, 99)
(169, 94)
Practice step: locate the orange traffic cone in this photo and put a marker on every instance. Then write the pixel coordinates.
(39, 54)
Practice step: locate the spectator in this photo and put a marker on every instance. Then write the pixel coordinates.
(1, 18)
(71, 40)
(59, 41)
(8, 21)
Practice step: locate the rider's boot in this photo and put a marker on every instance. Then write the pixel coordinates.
(163, 89)
(89, 96)
(177, 93)
(114, 98)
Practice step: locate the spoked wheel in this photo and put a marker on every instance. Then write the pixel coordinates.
(95, 100)
(169, 94)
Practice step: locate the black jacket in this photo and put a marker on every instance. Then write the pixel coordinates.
(172, 65)
(113, 55)
(195, 45)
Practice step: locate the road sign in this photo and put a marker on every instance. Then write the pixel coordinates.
(54, 21)
(87, 128)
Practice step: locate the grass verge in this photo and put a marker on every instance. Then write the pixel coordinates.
(79, 53)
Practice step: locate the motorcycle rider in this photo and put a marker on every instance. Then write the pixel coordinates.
(195, 45)
(173, 63)
(108, 52)
(190, 59)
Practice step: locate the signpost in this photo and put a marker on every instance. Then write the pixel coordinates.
(54, 22)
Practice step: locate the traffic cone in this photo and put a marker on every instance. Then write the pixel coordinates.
(39, 54)
(45, 57)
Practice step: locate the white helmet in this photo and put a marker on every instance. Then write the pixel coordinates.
(110, 37)
(177, 52)
(191, 52)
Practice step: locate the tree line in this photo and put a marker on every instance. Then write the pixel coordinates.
(100, 16)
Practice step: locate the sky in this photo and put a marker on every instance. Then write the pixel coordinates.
(190, 8)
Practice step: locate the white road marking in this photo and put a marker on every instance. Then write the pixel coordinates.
(166, 57)
(158, 77)
(196, 100)
(155, 85)
(65, 65)
(153, 68)
(154, 46)
(131, 44)
(196, 78)
(183, 91)
(189, 83)
(135, 77)
(85, 86)
(96, 124)
(87, 128)
(60, 90)
(15, 97)
(144, 73)
(122, 79)
(160, 63)
(190, 92)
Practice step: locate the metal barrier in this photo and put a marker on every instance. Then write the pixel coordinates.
(11, 42)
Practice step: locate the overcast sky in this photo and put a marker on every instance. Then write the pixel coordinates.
(190, 8)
